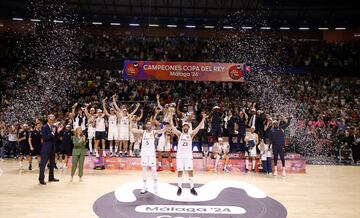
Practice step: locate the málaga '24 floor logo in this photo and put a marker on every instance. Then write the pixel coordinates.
(221, 198)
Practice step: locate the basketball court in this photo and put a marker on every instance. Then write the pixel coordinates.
(324, 191)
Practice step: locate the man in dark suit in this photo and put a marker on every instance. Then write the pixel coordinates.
(49, 134)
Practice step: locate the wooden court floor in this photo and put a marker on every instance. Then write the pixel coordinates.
(324, 191)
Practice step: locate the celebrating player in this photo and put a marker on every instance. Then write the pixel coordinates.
(113, 132)
(91, 117)
(184, 156)
(124, 126)
(251, 140)
(147, 153)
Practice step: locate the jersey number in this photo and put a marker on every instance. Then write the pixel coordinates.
(185, 144)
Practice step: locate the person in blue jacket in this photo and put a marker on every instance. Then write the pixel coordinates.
(277, 140)
(49, 134)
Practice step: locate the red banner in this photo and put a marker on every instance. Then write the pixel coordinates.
(200, 71)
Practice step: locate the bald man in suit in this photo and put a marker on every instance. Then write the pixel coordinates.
(49, 134)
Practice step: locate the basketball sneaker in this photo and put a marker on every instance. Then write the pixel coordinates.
(193, 192)
(143, 191)
(179, 191)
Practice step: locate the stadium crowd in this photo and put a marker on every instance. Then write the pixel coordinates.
(327, 116)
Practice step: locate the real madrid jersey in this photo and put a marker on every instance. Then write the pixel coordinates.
(148, 144)
(184, 148)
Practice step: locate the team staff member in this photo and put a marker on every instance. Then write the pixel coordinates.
(49, 133)
(277, 140)
(65, 146)
(35, 141)
(23, 139)
(78, 153)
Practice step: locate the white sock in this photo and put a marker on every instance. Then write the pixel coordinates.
(247, 164)
(180, 180)
(159, 164)
(153, 172)
(116, 148)
(144, 171)
(111, 149)
(253, 164)
(217, 161)
(171, 164)
(191, 182)
(90, 145)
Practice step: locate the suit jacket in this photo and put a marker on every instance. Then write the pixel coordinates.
(49, 138)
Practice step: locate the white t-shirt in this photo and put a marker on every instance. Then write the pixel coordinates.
(184, 148)
(148, 144)
(100, 124)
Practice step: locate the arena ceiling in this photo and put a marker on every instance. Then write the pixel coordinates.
(211, 12)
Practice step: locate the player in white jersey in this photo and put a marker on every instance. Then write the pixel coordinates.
(221, 151)
(164, 144)
(90, 126)
(187, 117)
(184, 156)
(100, 131)
(112, 129)
(124, 126)
(135, 139)
(79, 120)
(251, 140)
(148, 153)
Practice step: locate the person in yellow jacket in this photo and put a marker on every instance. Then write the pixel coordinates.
(78, 153)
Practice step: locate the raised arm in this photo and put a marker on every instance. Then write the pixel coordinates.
(196, 130)
(154, 119)
(175, 131)
(179, 113)
(136, 108)
(115, 105)
(158, 102)
(141, 115)
(284, 126)
(73, 108)
(104, 107)
(86, 110)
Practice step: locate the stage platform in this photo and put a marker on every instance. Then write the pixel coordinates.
(294, 163)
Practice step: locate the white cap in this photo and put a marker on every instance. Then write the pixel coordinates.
(99, 110)
(186, 123)
(220, 139)
(216, 107)
(92, 109)
(68, 126)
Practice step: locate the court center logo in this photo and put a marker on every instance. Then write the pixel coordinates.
(221, 198)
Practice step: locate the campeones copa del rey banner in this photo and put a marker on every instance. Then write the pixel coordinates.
(201, 71)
